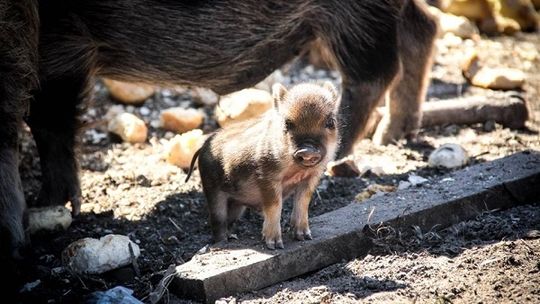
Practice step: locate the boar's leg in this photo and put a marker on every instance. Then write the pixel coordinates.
(53, 120)
(18, 76)
(299, 217)
(416, 34)
(362, 35)
(357, 101)
(66, 66)
(12, 204)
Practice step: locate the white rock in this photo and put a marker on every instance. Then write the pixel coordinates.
(155, 124)
(181, 120)
(242, 105)
(48, 218)
(448, 156)
(129, 93)
(377, 165)
(403, 185)
(180, 150)
(129, 127)
(204, 249)
(91, 112)
(93, 256)
(416, 180)
(377, 170)
(270, 80)
(114, 111)
(204, 96)
(144, 111)
(95, 136)
(451, 40)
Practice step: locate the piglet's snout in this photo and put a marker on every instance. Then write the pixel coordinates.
(308, 155)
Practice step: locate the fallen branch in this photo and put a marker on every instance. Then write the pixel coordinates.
(510, 112)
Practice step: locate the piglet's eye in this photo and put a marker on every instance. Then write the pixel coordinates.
(289, 125)
(330, 123)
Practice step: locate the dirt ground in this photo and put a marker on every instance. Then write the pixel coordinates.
(494, 258)
(129, 189)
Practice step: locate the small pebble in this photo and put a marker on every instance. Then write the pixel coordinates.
(129, 127)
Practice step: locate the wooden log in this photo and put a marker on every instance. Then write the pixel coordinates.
(509, 111)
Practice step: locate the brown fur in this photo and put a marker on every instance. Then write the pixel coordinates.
(255, 163)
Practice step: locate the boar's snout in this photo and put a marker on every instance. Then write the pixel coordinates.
(308, 155)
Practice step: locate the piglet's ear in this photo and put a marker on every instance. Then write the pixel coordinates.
(330, 87)
(278, 92)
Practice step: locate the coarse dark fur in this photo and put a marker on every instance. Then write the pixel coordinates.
(18, 75)
(220, 44)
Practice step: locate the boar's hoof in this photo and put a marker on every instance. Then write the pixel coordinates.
(221, 238)
(344, 167)
(69, 192)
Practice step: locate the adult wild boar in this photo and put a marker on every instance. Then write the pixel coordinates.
(50, 52)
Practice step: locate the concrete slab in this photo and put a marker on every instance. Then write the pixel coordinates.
(345, 233)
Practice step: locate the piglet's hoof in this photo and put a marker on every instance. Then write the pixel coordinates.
(302, 234)
(344, 167)
(273, 244)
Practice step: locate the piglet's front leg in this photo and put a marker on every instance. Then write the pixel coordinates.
(271, 232)
(299, 217)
